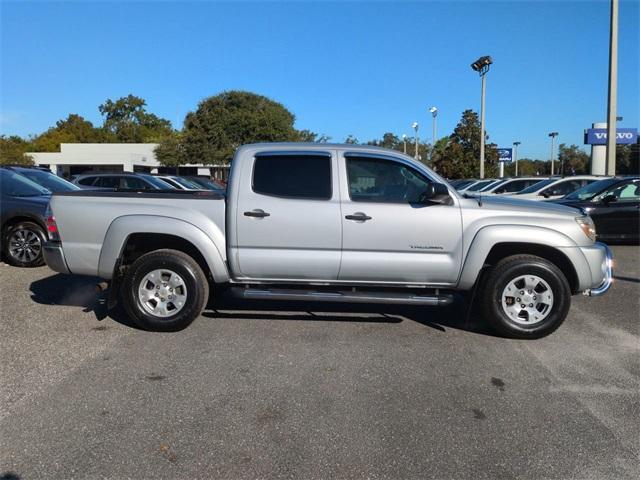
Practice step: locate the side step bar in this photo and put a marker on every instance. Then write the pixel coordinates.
(342, 296)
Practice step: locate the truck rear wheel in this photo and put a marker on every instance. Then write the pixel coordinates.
(525, 296)
(164, 290)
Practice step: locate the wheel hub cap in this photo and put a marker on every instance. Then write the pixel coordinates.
(25, 245)
(527, 300)
(162, 293)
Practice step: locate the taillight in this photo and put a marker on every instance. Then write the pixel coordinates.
(52, 226)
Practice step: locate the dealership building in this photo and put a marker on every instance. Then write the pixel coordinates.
(77, 158)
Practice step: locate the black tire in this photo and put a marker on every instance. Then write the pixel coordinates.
(194, 281)
(510, 268)
(21, 255)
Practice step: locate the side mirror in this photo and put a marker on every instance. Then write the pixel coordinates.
(545, 194)
(608, 199)
(436, 193)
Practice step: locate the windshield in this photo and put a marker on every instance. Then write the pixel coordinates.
(186, 183)
(156, 182)
(206, 183)
(589, 191)
(493, 185)
(15, 185)
(48, 180)
(537, 186)
(479, 185)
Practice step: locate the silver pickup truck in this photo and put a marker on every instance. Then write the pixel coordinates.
(338, 223)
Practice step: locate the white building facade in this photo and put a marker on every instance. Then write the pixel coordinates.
(78, 158)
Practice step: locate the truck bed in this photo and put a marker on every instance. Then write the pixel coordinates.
(84, 218)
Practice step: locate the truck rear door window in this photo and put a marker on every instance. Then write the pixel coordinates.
(293, 176)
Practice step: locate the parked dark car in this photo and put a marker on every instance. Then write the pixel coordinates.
(207, 183)
(23, 206)
(614, 206)
(121, 181)
(44, 178)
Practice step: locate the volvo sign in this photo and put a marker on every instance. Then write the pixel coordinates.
(598, 136)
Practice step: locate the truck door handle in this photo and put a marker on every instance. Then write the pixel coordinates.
(256, 212)
(358, 217)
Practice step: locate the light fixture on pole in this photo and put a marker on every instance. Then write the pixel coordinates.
(515, 155)
(553, 136)
(415, 125)
(482, 67)
(404, 143)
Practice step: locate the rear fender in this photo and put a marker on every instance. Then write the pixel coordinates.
(210, 244)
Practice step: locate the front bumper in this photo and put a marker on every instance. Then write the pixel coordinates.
(607, 268)
(54, 257)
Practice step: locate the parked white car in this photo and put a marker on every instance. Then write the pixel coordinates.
(507, 186)
(556, 187)
(478, 185)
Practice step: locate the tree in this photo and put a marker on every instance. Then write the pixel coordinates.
(129, 122)
(73, 129)
(529, 167)
(460, 157)
(393, 142)
(309, 136)
(574, 160)
(224, 122)
(351, 140)
(170, 152)
(12, 151)
(628, 159)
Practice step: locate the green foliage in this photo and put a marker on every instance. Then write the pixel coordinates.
(312, 137)
(224, 122)
(12, 151)
(529, 167)
(73, 129)
(128, 121)
(170, 152)
(393, 142)
(628, 159)
(571, 160)
(460, 156)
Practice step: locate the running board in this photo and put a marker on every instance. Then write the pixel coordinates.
(342, 296)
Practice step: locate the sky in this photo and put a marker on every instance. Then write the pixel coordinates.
(361, 68)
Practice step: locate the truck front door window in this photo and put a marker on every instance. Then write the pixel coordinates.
(374, 180)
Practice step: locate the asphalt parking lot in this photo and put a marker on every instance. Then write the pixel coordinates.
(314, 391)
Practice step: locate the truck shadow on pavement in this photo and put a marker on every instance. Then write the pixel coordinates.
(84, 292)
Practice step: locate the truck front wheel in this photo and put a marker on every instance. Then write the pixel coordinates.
(525, 296)
(164, 290)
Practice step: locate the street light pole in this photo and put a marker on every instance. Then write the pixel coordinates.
(414, 125)
(482, 67)
(434, 115)
(613, 90)
(404, 143)
(553, 136)
(515, 155)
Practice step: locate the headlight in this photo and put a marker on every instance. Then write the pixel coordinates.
(587, 226)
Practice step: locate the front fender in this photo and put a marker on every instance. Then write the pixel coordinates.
(210, 244)
(487, 237)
